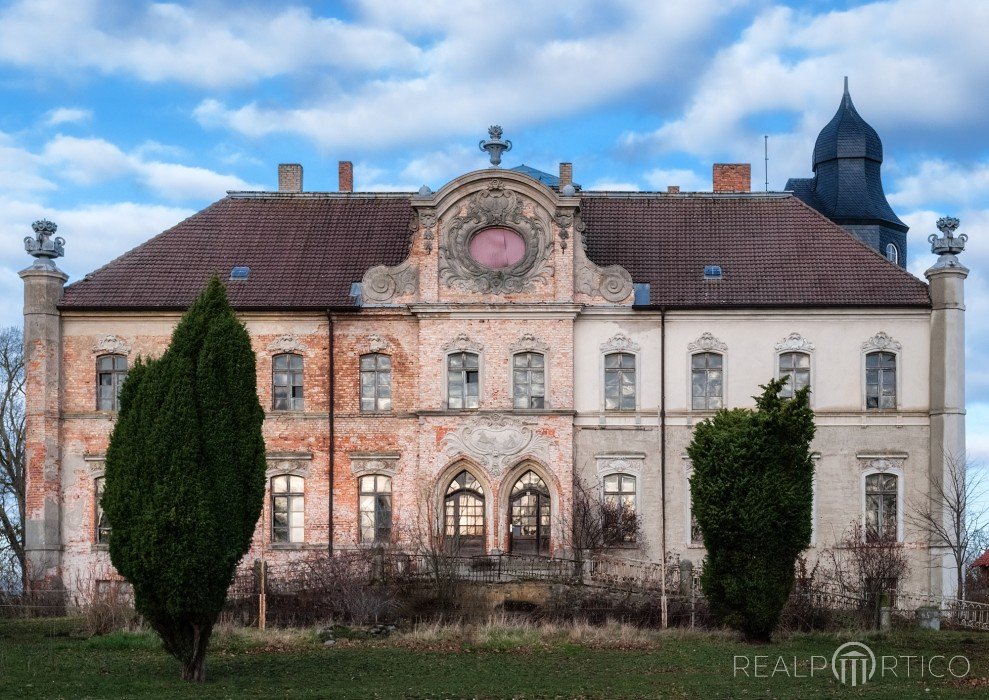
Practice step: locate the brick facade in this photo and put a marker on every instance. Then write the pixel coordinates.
(559, 304)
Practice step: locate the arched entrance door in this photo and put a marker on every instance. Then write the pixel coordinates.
(529, 516)
(463, 515)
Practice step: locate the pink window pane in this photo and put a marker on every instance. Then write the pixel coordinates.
(497, 248)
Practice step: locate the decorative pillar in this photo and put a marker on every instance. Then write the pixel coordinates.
(947, 378)
(43, 283)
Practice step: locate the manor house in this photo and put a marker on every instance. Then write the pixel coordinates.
(460, 361)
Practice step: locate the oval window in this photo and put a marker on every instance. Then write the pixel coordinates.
(497, 248)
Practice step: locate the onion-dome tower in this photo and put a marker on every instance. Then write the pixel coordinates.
(847, 186)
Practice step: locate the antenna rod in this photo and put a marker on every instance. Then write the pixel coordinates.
(765, 142)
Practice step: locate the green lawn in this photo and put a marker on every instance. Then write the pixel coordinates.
(51, 658)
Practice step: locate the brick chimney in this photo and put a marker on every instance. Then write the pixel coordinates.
(566, 174)
(673, 189)
(732, 177)
(289, 177)
(346, 171)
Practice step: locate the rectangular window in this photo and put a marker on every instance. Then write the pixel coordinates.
(880, 507)
(529, 380)
(102, 526)
(795, 367)
(619, 382)
(111, 371)
(706, 385)
(375, 382)
(463, 381)
(880, 380)
(620, 518)
(286, 380)
(375, 508)
(288, 509)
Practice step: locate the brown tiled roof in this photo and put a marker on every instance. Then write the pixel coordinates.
(304, 251)
(773, 250)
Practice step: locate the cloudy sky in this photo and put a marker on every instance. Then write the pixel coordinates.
(119, 119)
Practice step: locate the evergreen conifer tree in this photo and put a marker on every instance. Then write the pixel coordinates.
(751, 492)
(185, 476)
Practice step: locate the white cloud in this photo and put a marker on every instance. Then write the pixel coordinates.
(688, 180)
(559, 60)
(67, 115)
(210, 45)
(784, 57)
(606, 185)
(20, 170)
(941, 181)
(88, 161)
(94, 235)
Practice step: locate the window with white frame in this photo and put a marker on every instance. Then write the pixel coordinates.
(619, 381)
(795, 368)
(375, 382)
(892, 254)
(529, 380)
(620, 516)
(288, 509)
(881, 504)
(286, 382)
(375, 504)
(111, 371)
(463, 380)
(880, 380)
(102, 526)
(706, 381)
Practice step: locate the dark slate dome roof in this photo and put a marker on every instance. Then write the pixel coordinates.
(847, 135)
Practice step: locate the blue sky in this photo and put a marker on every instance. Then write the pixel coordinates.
(118, 119)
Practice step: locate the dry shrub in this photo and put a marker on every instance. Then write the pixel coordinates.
(106, 606)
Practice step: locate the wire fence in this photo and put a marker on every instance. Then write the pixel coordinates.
(370, 587)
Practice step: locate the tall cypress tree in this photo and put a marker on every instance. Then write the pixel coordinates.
(185, 476)
(752, 493)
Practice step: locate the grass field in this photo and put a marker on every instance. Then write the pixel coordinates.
(51, 658)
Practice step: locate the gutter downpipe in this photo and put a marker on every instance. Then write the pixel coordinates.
(662, 452)
(331, 450)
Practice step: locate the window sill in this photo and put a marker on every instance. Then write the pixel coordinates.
(100, 547)
(289, 545)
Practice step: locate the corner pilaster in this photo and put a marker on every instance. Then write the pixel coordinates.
(947, 378)
(43, 286)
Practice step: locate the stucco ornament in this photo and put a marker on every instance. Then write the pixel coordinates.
(881, 341)
(373, 463)
(792, 342)
(527, 342)
(462, 343)
(287, 344)
(495, 206)
(381, 284)
(627, 464)
(426, 223)
(495, 441)
(613, 283)
(881, 464)
(619, 342)
(376, 343)
(111, 344)
(707, 343)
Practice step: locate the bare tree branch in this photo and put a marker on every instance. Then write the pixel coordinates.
(954, 515)
(12, 457)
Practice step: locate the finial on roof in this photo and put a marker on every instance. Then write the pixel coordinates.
(846, 87)
(948, 245)
(42, 245)
(495, 146)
